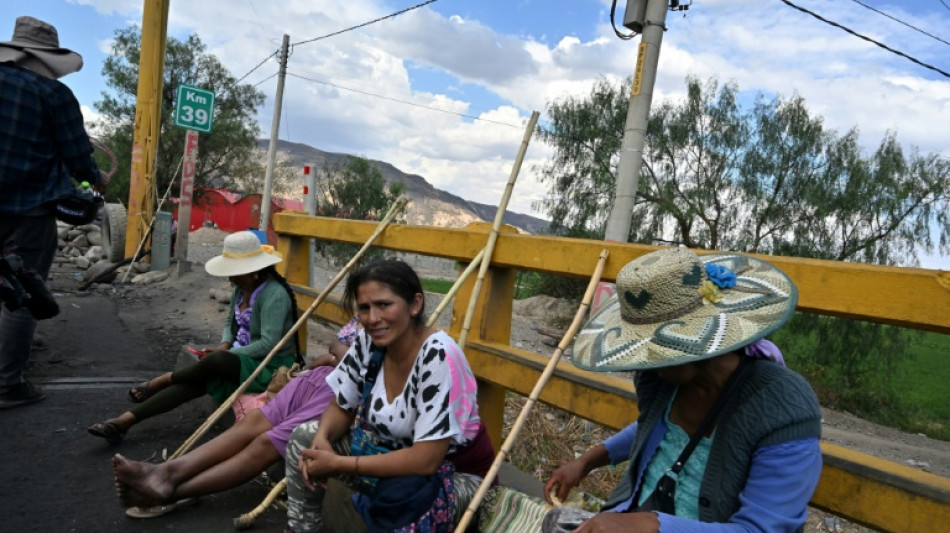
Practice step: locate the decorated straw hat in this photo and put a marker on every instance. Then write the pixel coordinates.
(674, 307)
(243, 254)
(35, 41)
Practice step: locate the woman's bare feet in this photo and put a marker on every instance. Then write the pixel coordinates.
(141, 484)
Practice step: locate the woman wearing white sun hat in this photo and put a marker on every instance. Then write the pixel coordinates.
(727, 436)
(262, 311)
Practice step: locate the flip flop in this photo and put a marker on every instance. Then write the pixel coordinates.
(140, 393)
(159, 510)
(112, 433)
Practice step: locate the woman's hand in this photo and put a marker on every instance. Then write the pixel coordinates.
(219, 348)
(317, 465)
(621, 523)
(326, 359)
(564, 479)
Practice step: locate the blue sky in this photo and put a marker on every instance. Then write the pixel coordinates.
(501, 59)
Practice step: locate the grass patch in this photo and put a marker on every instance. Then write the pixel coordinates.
(921, 382)
(439, 286)
(551, 438)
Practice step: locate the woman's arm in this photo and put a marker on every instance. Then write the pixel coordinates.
(271, 312)
(421, 459)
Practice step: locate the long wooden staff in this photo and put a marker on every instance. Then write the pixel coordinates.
(396, 207)
(535, 393)
(493, 236)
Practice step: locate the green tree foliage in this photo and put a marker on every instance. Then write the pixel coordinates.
(224, 153)
(355, 190)
(762, 178)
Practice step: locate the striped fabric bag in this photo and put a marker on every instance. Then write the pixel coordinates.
(505, 510)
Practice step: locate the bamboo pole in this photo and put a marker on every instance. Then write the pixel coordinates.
(535, 393)
(247, 519)
(396, 207)
(455, 287)
(493, 236)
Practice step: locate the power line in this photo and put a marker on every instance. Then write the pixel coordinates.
(868, 39)
(391, 15)
(265, 79)
(255, 68)
(944, 4)
(367, 93)
(862, 4)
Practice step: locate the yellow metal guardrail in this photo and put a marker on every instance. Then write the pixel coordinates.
(862, 488)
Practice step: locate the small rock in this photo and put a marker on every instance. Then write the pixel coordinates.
(82, 262)
(150, 277)
(80, 242)
(94, 237)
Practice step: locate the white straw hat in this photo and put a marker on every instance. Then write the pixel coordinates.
(36, 41)
(674, 307)
(243, 253)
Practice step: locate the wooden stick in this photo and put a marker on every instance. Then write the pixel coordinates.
(396, 207)
(246, 520)
(535, 393)
(493, 236)
(455, 287)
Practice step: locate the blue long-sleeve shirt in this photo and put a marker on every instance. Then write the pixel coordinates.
(42, 141)
(768, 501)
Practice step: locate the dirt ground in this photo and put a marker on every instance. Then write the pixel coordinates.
(58, 477)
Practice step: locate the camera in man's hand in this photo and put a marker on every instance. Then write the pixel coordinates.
(21, 287)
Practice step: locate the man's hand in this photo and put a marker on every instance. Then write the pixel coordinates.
(103, 182)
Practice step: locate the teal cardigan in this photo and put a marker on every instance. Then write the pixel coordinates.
(271, 319)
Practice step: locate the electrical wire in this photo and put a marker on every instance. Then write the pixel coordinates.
(277, 52)
(391, 99)
(868, 39)
(944, 4)
(351, 28)
(267, 78)
(862, 4)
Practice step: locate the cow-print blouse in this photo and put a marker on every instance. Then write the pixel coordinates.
(438, 401)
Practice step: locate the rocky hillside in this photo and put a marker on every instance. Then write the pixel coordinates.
(428, 205)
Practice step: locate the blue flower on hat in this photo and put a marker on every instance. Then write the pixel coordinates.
(721, 276)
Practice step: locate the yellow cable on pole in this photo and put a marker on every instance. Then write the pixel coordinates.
(393, 211)
(493, 236)
(535, 393)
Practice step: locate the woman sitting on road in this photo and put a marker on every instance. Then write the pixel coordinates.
(403, 427)
(263, 309)
(727, 436)
(244, 450)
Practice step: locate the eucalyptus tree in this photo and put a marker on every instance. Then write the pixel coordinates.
(227, 151)
(765, 177)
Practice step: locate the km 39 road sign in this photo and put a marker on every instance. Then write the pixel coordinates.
(194, 109)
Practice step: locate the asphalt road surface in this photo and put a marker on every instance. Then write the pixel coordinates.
(58, 478)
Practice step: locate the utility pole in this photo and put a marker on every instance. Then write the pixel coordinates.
(148, 113)
(638, 113)
(274, 128)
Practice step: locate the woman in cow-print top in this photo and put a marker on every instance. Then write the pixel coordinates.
(422, 406)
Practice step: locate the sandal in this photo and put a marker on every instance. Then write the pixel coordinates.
(140, 393)
(112, 433)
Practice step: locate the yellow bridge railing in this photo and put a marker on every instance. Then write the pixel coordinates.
(862, 488)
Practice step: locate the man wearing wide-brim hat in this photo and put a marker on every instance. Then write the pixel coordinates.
(43, 147)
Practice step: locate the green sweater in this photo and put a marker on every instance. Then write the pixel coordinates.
(271, 319)
(774, 405)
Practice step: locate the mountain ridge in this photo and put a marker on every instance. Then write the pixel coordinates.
(429, 205)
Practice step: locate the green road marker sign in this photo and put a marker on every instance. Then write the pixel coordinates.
(194, 109)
